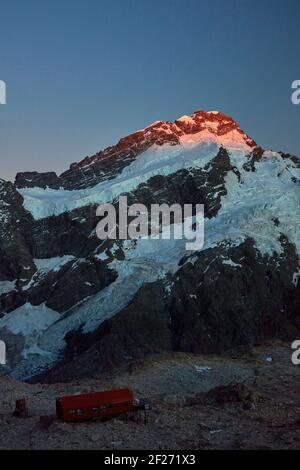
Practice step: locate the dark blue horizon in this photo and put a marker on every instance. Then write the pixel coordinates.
(80, 75)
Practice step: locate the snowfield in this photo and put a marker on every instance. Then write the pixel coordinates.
(249, 209)
(30, 322)
(51, 264)
(195, 150)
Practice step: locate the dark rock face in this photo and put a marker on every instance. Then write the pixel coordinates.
(111, 161)
(141, 328)
(218, 306)
(293, 158)
(71, 233)
(73, 283)
(16, 260)
(32, 179)
(210, 307)
(23, 239)
(255, 156)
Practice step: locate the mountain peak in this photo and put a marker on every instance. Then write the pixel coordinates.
(200, 126)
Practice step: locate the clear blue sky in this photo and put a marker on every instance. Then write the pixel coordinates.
(81, 74)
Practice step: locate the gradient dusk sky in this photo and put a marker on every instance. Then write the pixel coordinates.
(81, 74)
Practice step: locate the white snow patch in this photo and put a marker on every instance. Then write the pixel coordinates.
(229, 262)
(52, 264)
(29, 320)
(186, 119)
(34, 349)
(202, 369)
(102, 256)
(232, 140)
(7, 286)
(269, 155)
(296, 277)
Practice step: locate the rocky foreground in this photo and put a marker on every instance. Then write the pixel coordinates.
(246, 400)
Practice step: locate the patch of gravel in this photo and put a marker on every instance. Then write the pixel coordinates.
(271, 420)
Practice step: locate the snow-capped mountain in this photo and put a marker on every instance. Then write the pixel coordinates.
(110, 162)
(71, 305)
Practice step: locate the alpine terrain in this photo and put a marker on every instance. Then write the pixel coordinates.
(72, 305)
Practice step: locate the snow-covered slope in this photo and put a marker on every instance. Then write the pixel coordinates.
(198, 139)
(157, 160)
(252, 207)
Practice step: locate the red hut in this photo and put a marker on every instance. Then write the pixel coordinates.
(95, 405)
